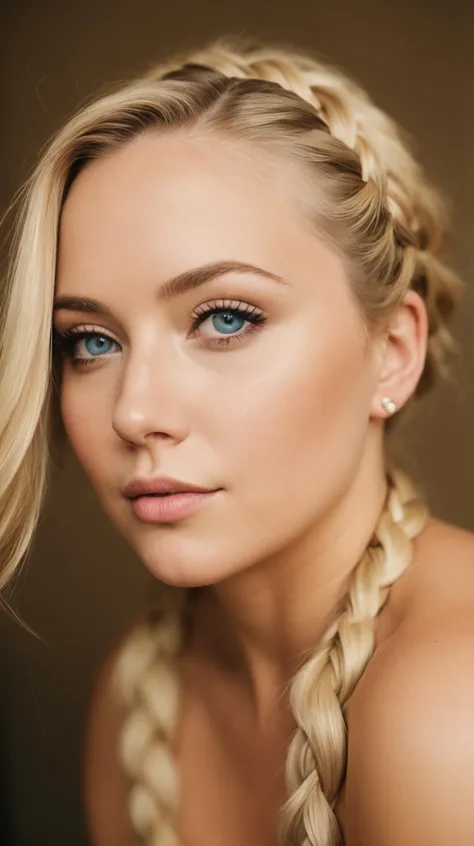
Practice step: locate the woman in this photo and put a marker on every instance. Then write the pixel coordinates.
(247, 289)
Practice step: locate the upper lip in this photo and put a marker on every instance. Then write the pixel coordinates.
(163, 484)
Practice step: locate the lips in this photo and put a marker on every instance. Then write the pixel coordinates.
(160, 487)
(169, 507)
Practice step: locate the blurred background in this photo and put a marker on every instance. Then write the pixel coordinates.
(82, 584)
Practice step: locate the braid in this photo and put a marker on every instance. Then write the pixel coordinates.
(147, 682)
(329, 100)
(320, 692)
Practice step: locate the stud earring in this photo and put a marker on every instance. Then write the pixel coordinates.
(389, 405)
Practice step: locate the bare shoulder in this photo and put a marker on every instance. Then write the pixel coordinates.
(410, 777)
(443, 563)
(106, 786)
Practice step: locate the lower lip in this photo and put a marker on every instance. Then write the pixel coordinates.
(168, 509)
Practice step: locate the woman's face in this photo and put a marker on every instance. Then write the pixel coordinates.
(274, 413)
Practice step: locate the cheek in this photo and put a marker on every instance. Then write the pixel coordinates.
(86, 419)
(303, 425)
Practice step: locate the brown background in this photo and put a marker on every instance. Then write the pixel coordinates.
(82, 584)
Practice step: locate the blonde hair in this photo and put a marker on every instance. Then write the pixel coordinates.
(387, 221)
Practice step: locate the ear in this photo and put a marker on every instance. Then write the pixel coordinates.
(402, 354)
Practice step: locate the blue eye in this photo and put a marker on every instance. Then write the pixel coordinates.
(221, 321)
(82, 347)
(95, 345)
(228, 322)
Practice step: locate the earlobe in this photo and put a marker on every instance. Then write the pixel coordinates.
(403, 359)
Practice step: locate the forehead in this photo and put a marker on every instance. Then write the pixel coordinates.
(175, 201)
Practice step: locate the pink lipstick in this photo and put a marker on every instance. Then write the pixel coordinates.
(165, 500)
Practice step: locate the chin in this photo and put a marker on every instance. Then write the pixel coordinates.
(183, 563)
(182, 575)
(196, 554)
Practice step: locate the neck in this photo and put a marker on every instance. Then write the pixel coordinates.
(265, 620)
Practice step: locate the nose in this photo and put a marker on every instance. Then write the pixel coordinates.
(149, 404)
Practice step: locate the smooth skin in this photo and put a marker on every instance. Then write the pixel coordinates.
(285, 418)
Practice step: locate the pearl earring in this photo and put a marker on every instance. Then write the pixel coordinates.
(389, 405)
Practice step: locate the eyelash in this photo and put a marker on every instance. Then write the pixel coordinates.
(66, 342)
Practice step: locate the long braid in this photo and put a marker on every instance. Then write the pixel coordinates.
(147, 681)
(320, 692)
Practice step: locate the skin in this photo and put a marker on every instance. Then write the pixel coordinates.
(287, 423)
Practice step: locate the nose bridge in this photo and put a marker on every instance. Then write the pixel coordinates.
(150, 398)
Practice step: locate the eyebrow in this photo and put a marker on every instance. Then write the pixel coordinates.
(172, 288)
